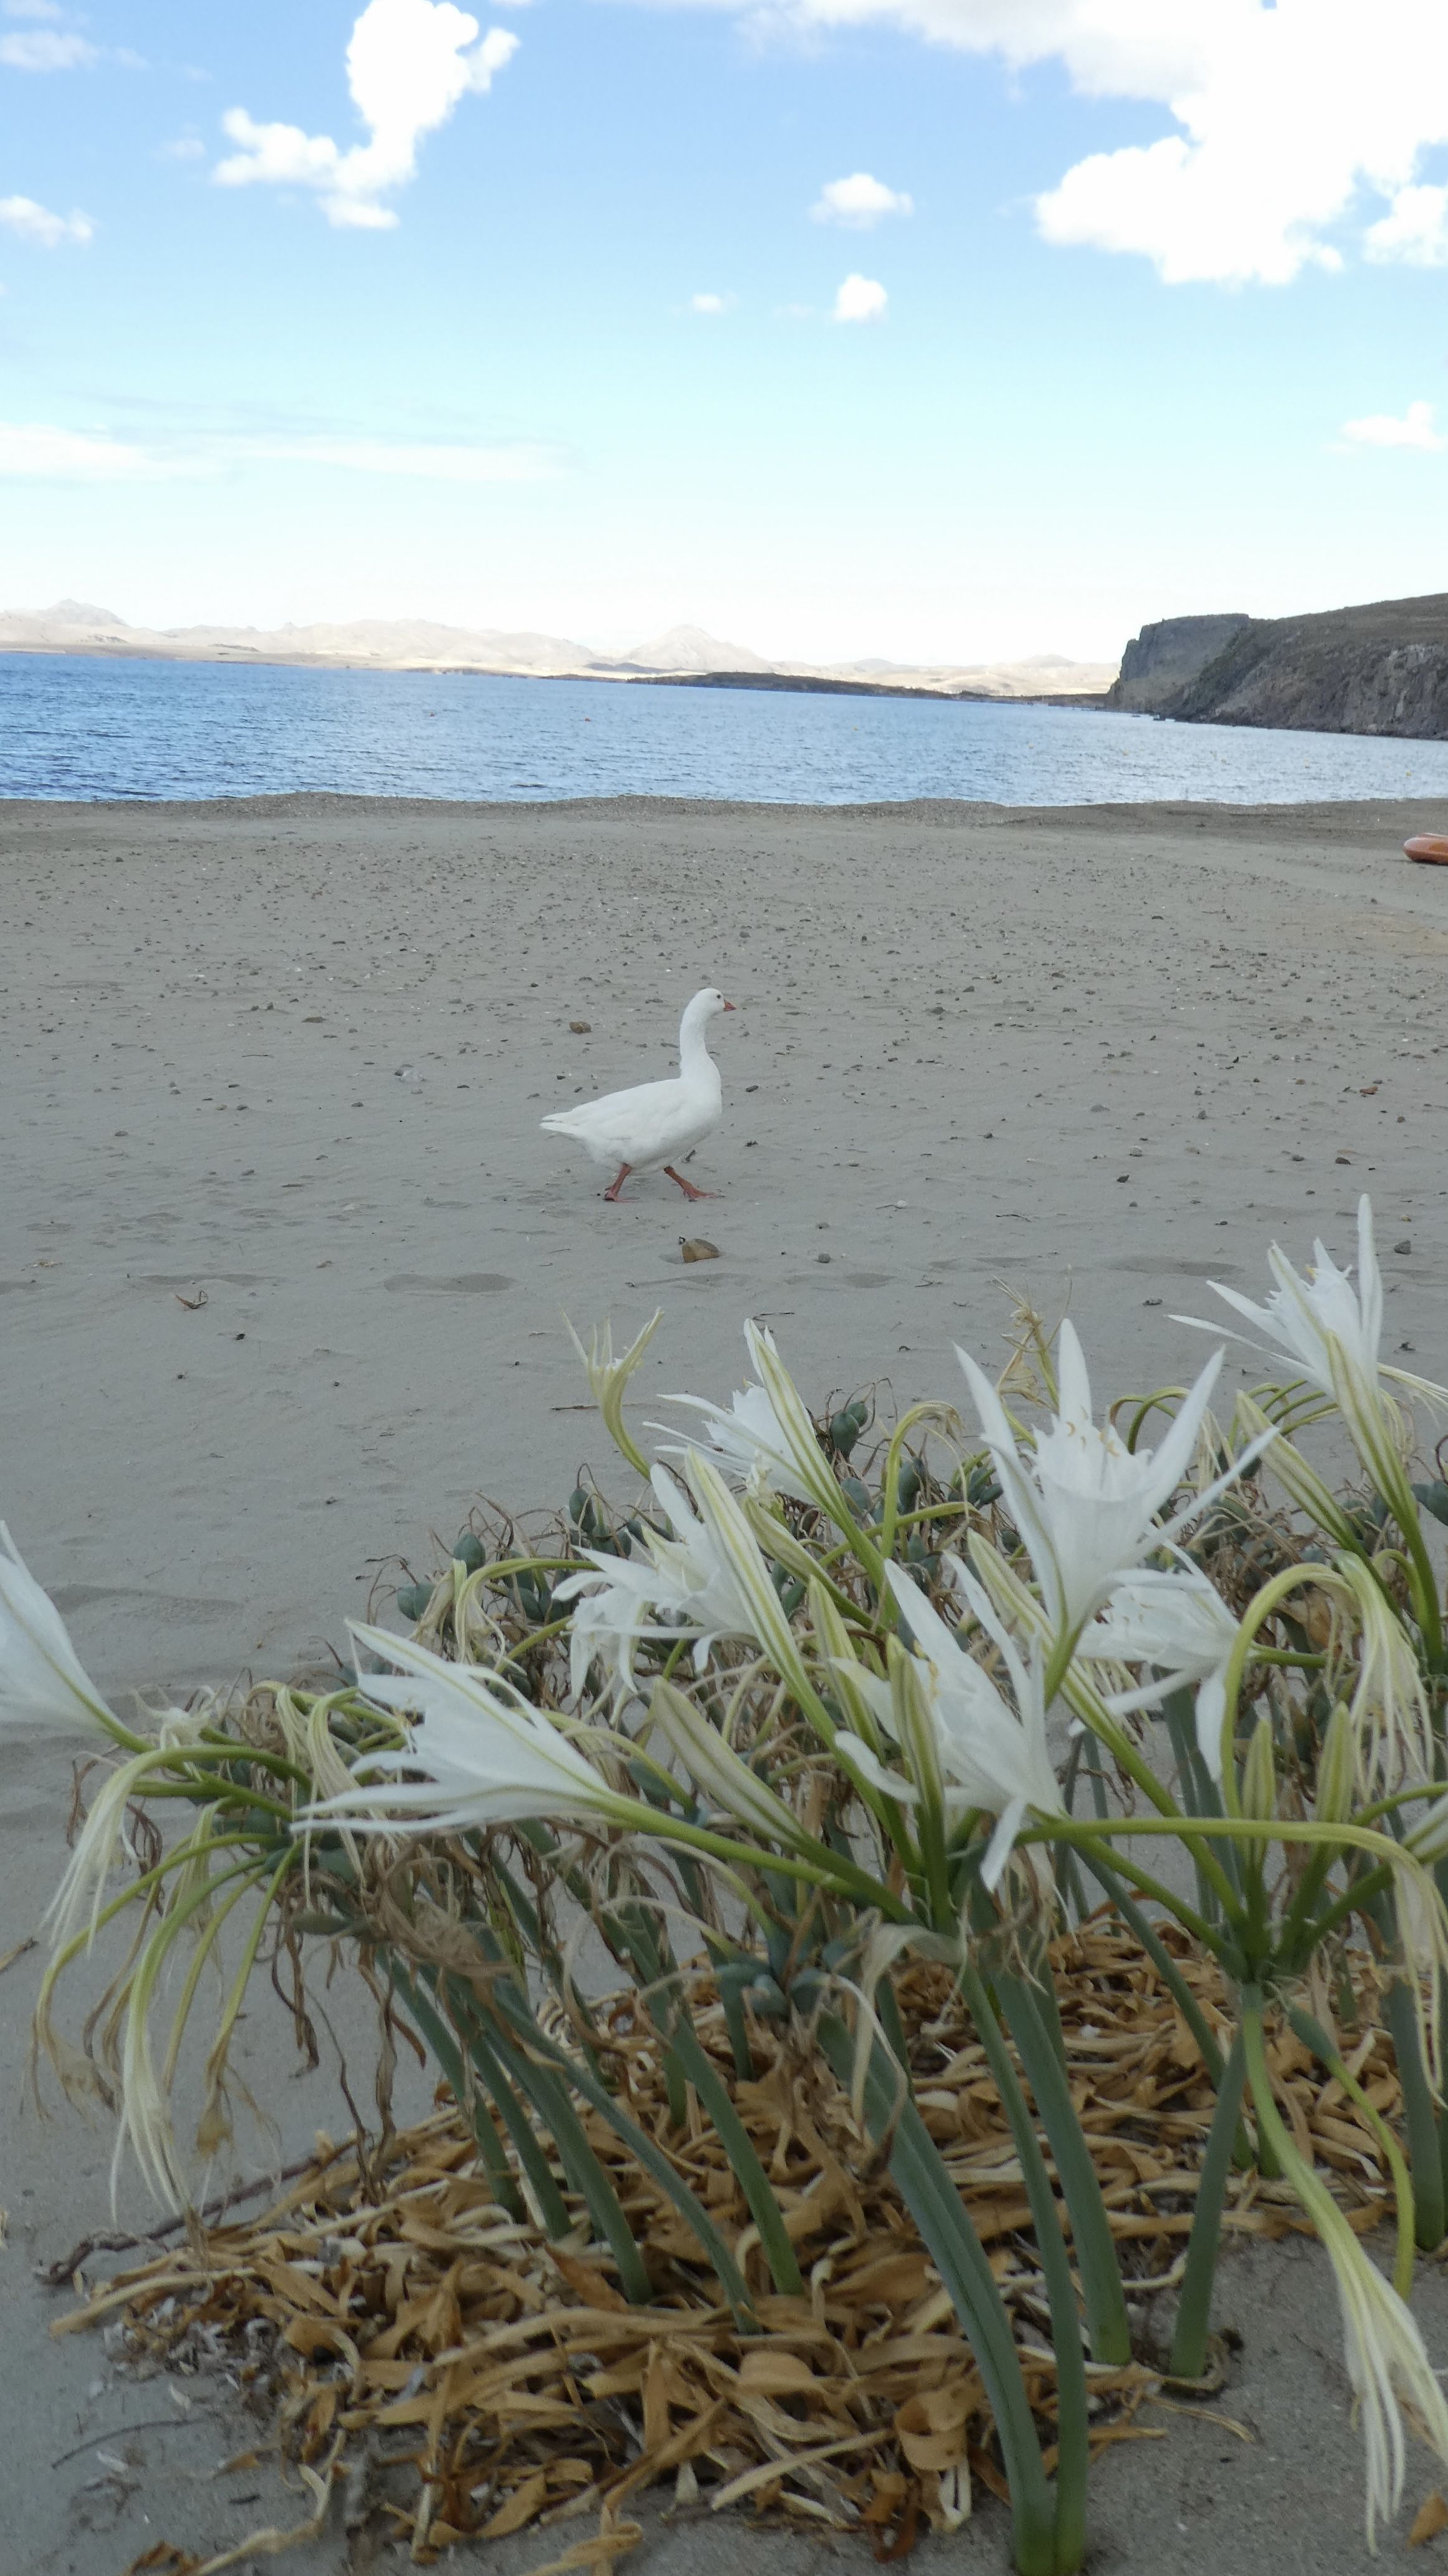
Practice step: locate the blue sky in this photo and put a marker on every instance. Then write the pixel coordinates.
(1160, 324)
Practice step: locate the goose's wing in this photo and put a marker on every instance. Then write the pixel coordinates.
(647, 1107)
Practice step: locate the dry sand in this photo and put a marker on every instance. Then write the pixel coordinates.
(293, 1052)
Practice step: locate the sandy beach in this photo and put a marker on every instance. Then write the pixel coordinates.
(291, 1056)
(284, 1260)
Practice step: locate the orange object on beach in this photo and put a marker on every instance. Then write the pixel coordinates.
(1430, 849)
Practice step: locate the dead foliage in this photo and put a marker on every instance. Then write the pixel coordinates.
(510, 2375)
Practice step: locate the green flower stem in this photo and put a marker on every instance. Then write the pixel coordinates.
(205, 1789)
(505, 1566)
(1239, 1829)
(1424, 1581)
(840, 1876)
(1073, 2453)
(1189, 2338)
(1259, 1610)
(1068, 1875)
(1357, 1897)
(1420, 2117)
(236, 1749)
(1105, 2301)
(1297, 1934)
(954, 2247)
(1313, 2036)
(1198, 1788)
(1277, 2142)
(890, 1490)
(1118, 1743)
(540, 1636)
(1146, 1406)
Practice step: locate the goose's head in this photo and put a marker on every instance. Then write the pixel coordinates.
(706, 1006)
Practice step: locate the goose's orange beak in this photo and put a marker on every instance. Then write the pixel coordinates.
(729, 1006)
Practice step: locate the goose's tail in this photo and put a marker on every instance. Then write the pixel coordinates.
(561, 1122)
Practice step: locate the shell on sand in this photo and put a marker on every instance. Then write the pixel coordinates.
(695, 1247)
(1429, 849)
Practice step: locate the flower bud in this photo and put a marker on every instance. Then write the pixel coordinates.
(1259, 1773)
(1337, 1769)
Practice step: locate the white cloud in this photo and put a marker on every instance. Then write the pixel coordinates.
(36, 223)
(860, 299)
(30, 449)
(32, 9)
(712, 303)
(1281, 120)
(35, 449)
(1381, 429)
(45, 50)
(859, 202)
(1415, 229)
(185, 148)
(409, 62)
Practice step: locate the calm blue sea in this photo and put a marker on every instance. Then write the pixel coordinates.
(133, 728)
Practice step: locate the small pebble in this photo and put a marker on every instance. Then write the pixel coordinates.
(822, 1256)
(1405, 1246)
(580, 1028)
(694, 1247)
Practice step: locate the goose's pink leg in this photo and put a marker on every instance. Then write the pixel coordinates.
(687, 1186)
(624, 1170)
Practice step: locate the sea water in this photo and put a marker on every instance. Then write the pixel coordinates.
(93, 728)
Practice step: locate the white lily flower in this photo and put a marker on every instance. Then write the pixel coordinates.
(990, 1755)
(490, 1756)
(747, 1439)
(1303, 1318)
(688, 1585)
(1389, 1708)
(1084, 1503)
(42, 1679)
(1387, 2362)
(1180, 1623)
(766, 1436)
(1389, 2369)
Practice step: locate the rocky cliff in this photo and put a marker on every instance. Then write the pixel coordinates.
(1162, 659)
(1378, 669)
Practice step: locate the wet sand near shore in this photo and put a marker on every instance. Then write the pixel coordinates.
(283, 1260)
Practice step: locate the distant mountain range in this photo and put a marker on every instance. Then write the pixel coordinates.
(413, 644)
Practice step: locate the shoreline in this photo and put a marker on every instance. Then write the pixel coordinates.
(955, 812)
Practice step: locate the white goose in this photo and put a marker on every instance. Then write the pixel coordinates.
(655, 1122)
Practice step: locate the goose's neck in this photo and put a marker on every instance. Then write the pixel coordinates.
(694, 1056)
